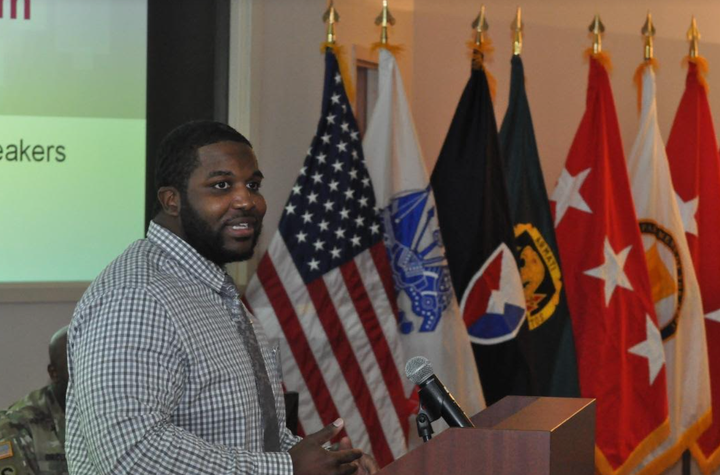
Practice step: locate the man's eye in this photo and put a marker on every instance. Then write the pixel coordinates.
(222, 185)
(254, 186)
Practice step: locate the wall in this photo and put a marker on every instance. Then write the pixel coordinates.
(25, 331)
(556, 34)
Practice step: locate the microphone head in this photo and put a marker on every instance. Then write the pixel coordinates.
(418, 369)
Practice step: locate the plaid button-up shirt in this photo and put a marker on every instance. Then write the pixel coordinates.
(160, 381)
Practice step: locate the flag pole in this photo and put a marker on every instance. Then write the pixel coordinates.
(648, 31)
(330, 17)
(597, 29)
(693, 36)
(517, 27)
(384, 20)
(482, 46)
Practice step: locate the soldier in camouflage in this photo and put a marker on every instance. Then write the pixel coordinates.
(32, 431)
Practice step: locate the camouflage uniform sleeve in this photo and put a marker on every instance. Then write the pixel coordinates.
(17, 456)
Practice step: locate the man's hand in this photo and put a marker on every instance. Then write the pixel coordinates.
(310, 458)
(366, 464)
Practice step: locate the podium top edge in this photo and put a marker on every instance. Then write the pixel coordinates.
(530, 413)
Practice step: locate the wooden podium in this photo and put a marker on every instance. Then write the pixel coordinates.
(518, 435)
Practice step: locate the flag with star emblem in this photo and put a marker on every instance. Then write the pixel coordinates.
(477, 229)
(430, 325)
(324, 290)
(549, 345)
(695, 168)
(674, 287)
(620, 355)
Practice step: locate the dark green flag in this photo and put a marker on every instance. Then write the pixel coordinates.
(549, 345)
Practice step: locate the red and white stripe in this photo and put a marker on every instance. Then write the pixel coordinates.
(340, 347)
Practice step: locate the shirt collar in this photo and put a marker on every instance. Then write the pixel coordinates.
(186, 255)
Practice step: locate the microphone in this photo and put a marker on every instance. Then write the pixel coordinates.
(435, 399)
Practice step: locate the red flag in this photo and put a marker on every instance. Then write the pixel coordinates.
(619, 348)
(695, 167)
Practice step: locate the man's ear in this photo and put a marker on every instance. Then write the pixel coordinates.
(52, 372)
(169, 198)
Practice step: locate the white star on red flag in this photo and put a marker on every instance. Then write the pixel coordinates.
(612, 270)
(567, 194)
(688, 210)
(651, 348)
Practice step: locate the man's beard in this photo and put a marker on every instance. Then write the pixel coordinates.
(209, 243)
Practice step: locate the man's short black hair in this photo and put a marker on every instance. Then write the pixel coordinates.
(177, 155)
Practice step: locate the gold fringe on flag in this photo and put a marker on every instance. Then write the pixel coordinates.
(642, 450)
(396, 50)
(638, 78)
(601, 57)
(688, 439)
(703, 68)
(479, 52)
(344, 69)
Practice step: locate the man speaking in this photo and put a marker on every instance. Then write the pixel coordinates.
(169, 372)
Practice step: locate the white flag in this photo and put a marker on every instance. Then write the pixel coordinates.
(674, 287)
(430, 323)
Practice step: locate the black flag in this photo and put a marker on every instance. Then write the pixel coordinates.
(476, 227)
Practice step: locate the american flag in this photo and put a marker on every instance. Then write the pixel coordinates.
(324, 290)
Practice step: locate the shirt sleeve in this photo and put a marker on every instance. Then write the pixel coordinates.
(127, 373)
(16, 447)
(288, 440)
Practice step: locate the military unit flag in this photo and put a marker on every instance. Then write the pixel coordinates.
(323, 290)
(469, 186)
(548, 345)
(429, 324)
(619, 346)
(695, 168)
(675, 290)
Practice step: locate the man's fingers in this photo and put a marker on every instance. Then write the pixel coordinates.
(347, 456)
(368, 463)
(326, 433)
(344, 444)
(347, 469)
